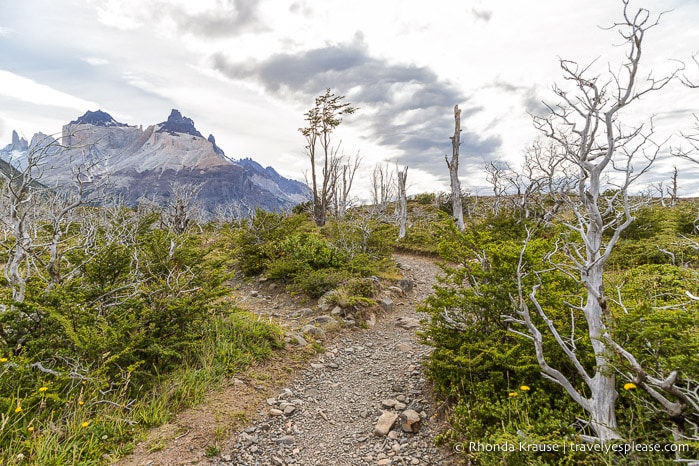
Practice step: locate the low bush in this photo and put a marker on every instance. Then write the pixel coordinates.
(141, 328)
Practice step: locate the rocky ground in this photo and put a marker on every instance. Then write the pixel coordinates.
(363, 400)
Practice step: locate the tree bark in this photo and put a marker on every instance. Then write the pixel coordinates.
(453, 165)
(402, 202)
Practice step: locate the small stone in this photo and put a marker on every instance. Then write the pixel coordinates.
(323, 320)
(385, 422)
(337, 310)
(386, 304)
(275, 412)
(370, 320)
(317, 366)
(404, 347)
(226, 458)
(289, 410)
(306, 311)
(399, 406)
(286, 440)
(254, 293)
(272, 401)
(297, 340)
(408, 323)
(390, 403)
(410, 421)
(406, 285)
(313, 331)
(384, 461)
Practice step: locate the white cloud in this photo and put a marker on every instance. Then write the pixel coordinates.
(123, 15)
(96, 61)
(23, 89)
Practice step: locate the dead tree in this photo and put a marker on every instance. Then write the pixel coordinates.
(496, 175)
(179, 210)
(344, 180)
(586, 127)
(382, 187)
(20, 199)
(453, 165)
(402, 200)
(673, 188)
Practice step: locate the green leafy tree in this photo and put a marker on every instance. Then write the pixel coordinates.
(322, 120)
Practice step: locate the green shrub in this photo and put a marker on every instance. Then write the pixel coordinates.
(315, 283)
(255, 238)
(424, 198)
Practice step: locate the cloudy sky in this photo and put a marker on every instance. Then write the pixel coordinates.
(247, 70)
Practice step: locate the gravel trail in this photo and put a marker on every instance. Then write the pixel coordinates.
(364, 401)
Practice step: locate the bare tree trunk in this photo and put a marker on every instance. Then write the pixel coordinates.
(673, 188)
(496, 175)
(344, 183)
(453, 165)
(587, 129)
(402, 201)
(382, 186)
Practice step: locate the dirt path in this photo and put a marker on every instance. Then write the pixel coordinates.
(328, 411)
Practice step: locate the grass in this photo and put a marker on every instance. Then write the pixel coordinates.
(84, 425)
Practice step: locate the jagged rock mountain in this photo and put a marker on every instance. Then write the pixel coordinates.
(176, 123)
(98, 118)
(137, 163)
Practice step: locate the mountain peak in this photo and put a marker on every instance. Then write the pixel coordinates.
(18, 143)
(98, 118)
(176, 123)
(217, 149)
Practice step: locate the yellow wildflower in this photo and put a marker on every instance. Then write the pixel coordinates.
(3, 360)
(85, 424)
(81, 402)
(18, 409)
(524, 388)
(30, 429)
(513, 394)
(629, 386)
(43, 389)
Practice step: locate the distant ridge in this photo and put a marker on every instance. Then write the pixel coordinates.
(137, 164)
